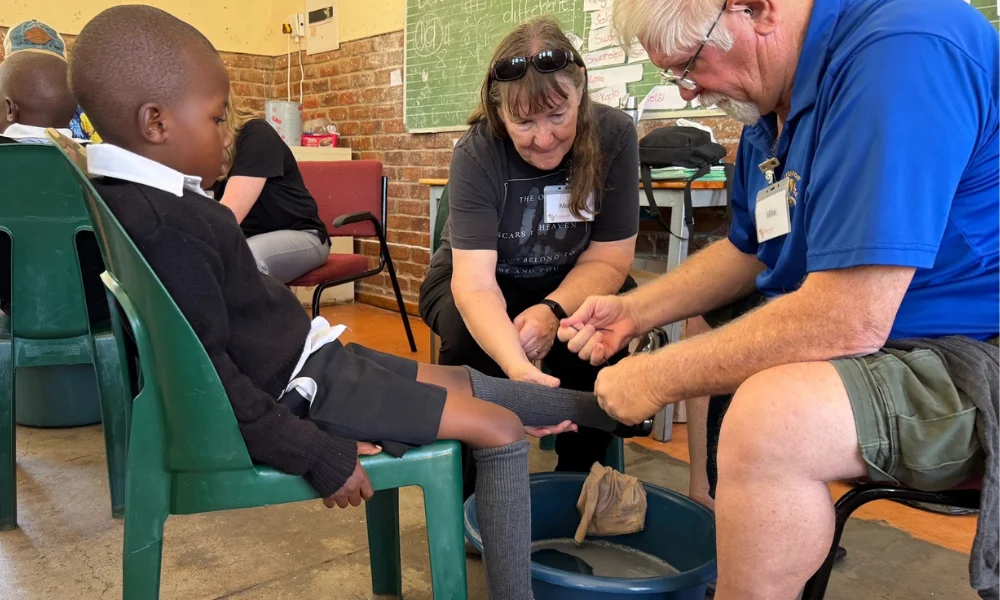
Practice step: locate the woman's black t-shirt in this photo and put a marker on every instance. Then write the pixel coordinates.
(497, 202)
(284, 203)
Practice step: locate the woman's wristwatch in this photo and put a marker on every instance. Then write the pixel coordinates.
(557, 309)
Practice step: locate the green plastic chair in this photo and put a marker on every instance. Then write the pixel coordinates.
(42, 211)
(615, 457)
(443, 210)
(187, 455)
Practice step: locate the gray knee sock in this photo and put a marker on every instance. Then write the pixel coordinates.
(503, 506)
(538, 405)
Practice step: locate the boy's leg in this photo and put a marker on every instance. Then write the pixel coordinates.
(503, 499)
(438, 310)
(535, 405)
(367, 395)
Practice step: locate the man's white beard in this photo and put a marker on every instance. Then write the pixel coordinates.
(744, 112)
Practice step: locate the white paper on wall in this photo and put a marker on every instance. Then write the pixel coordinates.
(600, 37)
(592, 5)
(602, 78)
(637, 53)
(603, 58)
(576, 40)
(601, 18)
(664, 97)
(610, 95)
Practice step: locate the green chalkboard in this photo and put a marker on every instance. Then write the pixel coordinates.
(449, 44)
(989, 9)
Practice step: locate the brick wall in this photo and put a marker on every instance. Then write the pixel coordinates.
(351, 87)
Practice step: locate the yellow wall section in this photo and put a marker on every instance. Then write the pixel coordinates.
(231, 25)
(250, 26)
(365, 18)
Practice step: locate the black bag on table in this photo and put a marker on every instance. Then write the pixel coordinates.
(687, 147)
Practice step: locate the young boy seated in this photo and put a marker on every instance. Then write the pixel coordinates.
(303, 400)
(35, 95)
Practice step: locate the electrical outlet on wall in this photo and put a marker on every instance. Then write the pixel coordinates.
(298, 25)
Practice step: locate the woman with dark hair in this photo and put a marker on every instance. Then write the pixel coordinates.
(544, 212)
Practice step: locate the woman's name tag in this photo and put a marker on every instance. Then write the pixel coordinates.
(557, 206)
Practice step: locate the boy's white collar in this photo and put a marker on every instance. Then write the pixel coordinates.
(17, 131)
(108, 160)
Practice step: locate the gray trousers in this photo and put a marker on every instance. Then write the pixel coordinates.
(287, 254)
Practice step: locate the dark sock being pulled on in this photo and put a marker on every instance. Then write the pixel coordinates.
(537, 405)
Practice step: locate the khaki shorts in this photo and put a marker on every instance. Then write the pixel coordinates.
(914, 427)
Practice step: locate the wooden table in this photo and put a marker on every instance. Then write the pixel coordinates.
(667, 194)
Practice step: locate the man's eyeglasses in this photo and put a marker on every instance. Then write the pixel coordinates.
(546, 61)
(683, 80)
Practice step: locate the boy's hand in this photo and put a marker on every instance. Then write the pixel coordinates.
(539, 432)
(355, 489)
(368, 449)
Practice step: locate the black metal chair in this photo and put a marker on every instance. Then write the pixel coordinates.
(964, 496)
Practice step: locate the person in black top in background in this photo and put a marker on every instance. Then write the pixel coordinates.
(264, 189)
(306, 404)
(35, 94)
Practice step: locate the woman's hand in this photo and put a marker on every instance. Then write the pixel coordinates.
(600, 328)
(539, 432)
(536, 328)
(527, 372)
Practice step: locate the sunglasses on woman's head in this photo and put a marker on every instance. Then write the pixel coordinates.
(546, 61)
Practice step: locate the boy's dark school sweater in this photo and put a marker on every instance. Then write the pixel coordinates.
(252, 327)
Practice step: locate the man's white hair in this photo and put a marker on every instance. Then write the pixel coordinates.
(671, 27)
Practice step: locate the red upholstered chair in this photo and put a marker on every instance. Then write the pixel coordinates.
(965, 495)
(351, 196)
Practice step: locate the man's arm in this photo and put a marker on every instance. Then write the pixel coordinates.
(714, 277)
(834, 314)
(603, 325)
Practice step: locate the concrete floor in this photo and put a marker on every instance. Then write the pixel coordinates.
(68, 547)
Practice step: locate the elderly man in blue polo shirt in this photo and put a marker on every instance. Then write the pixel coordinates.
(863, 252)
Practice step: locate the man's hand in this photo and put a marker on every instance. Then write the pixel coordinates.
(626, 390)
(551, 430)
(536, 328)
(600, 328)
(525, 371)
(357, 487)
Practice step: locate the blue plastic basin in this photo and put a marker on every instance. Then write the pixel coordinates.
(678, 530)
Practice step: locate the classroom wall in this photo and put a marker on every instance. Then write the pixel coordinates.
(243, 26)
(351, 87)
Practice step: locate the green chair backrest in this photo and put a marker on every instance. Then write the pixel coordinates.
(443, 210)
(200, 429)
(41, 209)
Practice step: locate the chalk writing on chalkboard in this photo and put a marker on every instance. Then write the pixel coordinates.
(449, 44)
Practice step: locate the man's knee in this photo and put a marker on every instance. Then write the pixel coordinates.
(790, 418)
